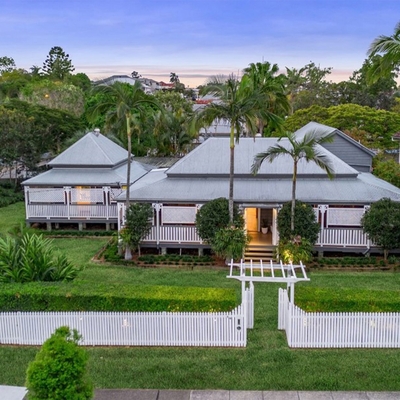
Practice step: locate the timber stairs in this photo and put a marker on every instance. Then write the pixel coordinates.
(257, 252)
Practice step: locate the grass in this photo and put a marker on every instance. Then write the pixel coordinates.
(11, 216)
(265, 364)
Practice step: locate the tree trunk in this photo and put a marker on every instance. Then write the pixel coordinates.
(293, 197)
(231, 173)
(128, 254)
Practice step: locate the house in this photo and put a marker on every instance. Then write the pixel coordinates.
(81, 186)
(177, 193)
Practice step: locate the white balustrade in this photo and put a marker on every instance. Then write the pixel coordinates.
(89, 211)
(344, 237)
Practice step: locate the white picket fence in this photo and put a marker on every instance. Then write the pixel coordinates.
(334, 330)
(222, 329)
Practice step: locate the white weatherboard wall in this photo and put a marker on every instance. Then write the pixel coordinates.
(222, 329)
(335, 330)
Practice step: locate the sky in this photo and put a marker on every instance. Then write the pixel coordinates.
(195, 39)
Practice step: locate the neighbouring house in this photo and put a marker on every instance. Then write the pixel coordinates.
(81, 186)
(177, 193)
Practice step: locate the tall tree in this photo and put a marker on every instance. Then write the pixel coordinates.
(239, 104)
(122, 104)
(7, 64)
(389, 48)
(304, 148)
(57, 64)
(264, 77)
(174, 78)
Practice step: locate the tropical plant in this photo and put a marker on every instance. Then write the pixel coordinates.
(264, 77)
(382, 224)
(59, 371)
(240, 105)
(230, 242)
(389, 47)
(138, 222)
(294, 251)
(214, 216)
(303, 148)
(30, 257)
(122, 104)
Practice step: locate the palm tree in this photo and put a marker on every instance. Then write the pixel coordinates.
(389, 46)
(122, 104)
(263, 77)
(304, 148)
(239, 104)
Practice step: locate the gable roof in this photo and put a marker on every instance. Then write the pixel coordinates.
(315, 125)
(94, 150)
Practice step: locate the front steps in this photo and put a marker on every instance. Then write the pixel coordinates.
(257, 252)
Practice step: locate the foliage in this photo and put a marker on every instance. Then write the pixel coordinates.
(137, 224)
(59, 95)
(306, 86)
(114, 296)
(19, 141)
(387, 169)
(230, 242)
(373, 128)
(9, 194)
(264, 77)
(305, 222)
(389, 48)
(382, 224)
(32, 258)
(57, 65)
(50, 127)
(214, 216)
(295, 251)
(7, 64)
(59, 369)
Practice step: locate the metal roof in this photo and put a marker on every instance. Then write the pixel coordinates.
(93, 150)
(315, 125)
(363, 189)
(212, 158)
(88, 176)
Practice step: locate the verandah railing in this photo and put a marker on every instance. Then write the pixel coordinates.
(68, 211)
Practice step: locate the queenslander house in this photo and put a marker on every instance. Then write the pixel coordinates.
(86, 184)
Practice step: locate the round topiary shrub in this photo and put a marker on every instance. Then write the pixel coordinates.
(214, 216)
(305, 222)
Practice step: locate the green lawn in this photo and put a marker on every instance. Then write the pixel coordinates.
(11, 216)
(265, 364)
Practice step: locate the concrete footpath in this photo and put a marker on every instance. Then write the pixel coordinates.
(18, 393)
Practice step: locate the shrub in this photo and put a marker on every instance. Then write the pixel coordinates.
(305, 222)
(292, 251)
(382, 224)
(59, 369)
(214, 216)
(230, 243)
(33, 258)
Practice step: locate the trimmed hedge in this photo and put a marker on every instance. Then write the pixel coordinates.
(84, 297)
(313, 299)
(77, 233)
